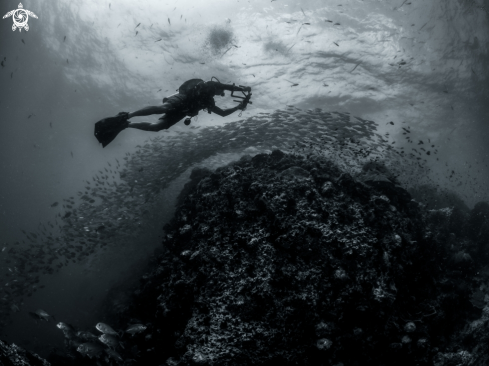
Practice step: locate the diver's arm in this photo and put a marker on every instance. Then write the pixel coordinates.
(225, 112)
(230, 87)
(236, 88)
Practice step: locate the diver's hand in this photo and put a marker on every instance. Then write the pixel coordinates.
(243, 88)
(241, 106)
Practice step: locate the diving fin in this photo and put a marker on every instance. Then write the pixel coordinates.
(108, 128)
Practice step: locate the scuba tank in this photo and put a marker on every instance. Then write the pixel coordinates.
(168, 97)
(190, 89)
(189, 85)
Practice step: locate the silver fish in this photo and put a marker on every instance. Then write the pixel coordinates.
(41, 315)
(64, 326)
(109, 340)
(107, 329)
(90, 349)
(136, 328)
(113, 354)
(86, 335)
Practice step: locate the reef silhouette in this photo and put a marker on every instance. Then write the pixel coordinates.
(283, 259)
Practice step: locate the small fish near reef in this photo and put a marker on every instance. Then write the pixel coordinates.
(135, 329)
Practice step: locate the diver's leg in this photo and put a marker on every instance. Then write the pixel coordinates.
(164, 123)
(147, 111)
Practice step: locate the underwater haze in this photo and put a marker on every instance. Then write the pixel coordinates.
(397, 81)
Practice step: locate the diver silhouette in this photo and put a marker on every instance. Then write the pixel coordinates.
(192, 96)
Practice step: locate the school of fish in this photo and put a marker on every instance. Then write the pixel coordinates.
(117, 204)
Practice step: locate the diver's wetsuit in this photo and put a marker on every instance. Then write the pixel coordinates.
(193, 96)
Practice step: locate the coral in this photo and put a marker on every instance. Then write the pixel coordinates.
(13, 355)
(278, 259)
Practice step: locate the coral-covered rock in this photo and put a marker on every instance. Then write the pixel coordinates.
(278, 259)
(13, 355)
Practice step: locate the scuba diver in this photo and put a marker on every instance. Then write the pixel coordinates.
(192, 96)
